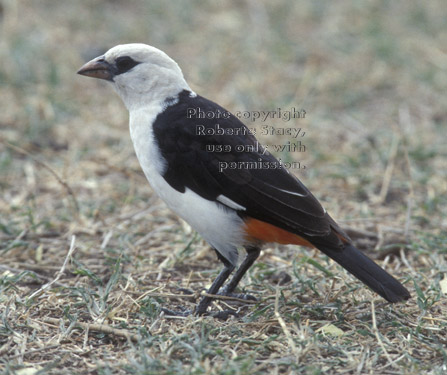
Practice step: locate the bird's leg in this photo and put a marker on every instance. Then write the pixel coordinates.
(214, 289)
(204, 303)
(227, 290)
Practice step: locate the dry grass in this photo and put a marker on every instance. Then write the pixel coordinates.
(372, 78)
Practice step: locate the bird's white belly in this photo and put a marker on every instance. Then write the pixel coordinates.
(217, 224)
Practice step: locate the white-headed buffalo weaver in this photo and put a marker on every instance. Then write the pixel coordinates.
(230, 207)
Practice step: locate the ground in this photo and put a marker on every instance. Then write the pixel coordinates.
(89, 255)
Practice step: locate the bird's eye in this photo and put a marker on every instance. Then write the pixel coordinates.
(125, 63)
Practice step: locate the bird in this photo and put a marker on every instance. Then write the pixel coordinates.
(234, 199)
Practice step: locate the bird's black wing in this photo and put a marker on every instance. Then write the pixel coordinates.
(198, 158)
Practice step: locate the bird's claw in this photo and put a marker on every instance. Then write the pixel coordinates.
(221, 315)
(183, 313)
(246, 297)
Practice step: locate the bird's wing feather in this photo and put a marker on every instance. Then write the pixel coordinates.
(268, 193)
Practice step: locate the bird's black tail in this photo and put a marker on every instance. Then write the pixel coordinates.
(368, 272)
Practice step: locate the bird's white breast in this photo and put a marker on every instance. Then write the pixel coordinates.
(218, 225)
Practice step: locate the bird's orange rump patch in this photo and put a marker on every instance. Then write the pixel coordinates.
(257, 230)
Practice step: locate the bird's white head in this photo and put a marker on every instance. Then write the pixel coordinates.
(141, 74)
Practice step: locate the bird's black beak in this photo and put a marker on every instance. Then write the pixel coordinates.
(97, 68)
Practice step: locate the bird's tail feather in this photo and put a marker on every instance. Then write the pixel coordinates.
(367, 271)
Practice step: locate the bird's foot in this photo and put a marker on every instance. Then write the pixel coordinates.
(221, 315)
(243, 296)
(182, 313)
(185, 291)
